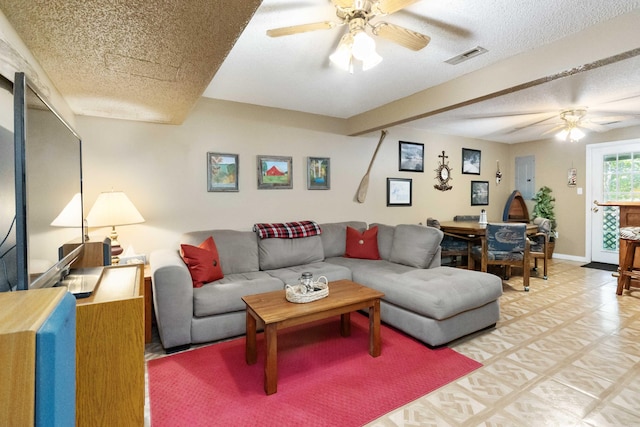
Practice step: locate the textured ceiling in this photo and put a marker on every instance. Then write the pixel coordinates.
(151, 60)
(294, 72)
(133, 59)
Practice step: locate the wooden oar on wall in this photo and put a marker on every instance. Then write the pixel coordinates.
(364, 184)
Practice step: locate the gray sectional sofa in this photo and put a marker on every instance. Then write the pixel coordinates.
(431, 303)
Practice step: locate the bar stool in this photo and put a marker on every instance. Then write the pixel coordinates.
(631, 236)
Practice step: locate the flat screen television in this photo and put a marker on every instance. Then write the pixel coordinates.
(48, 174)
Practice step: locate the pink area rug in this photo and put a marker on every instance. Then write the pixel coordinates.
(323, 379)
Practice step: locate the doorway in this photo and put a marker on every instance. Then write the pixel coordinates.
(613, 173)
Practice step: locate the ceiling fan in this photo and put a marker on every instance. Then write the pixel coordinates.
(570, 124)
(356, 43)
(574, 122)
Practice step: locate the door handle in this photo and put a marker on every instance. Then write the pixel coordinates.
(595, 208)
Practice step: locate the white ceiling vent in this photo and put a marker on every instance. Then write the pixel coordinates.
(471, 53)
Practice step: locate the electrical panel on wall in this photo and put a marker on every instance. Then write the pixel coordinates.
(525, 176)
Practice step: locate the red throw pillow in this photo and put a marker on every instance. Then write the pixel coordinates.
(362, 245)
(203, 262)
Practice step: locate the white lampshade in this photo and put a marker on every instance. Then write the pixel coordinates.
(572, 134)
(371, 61)
(71, 215)
(342, 56)
(363, 46)
(113, 208)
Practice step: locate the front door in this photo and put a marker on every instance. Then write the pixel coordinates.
(614, 170)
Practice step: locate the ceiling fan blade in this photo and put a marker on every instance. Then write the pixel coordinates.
(509, 114)
(342, 3)
(592, 126)
(402, 36)
(614, 119)
(554, 129)
(389, 6)
(536, 123)
(295, 29)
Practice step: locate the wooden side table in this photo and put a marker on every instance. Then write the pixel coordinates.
(148, 304)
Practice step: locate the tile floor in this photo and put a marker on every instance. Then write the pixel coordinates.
(567, 353)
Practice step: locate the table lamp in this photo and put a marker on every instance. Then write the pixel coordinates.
(110, 209)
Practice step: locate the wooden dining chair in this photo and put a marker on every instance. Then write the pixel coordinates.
(539, 245)
(506, 245)
(454, 247)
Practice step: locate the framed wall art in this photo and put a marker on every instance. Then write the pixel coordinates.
(318, 173)
(275, 172)
(222, 172)
(411, 157)
(470, 161)
(479, 193)
(572, 177)
(399, 192)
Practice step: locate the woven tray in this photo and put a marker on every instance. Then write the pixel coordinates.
(294, 293)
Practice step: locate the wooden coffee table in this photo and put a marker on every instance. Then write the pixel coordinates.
(273, 312)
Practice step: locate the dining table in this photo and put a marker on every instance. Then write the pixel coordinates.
(475, 229)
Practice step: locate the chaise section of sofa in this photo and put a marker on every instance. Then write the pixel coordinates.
(431, 303)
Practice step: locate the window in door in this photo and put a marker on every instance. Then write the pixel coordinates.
(621, 181)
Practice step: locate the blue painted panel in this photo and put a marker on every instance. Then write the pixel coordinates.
(56, 367)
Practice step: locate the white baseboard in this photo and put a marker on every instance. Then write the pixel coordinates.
(570, 257)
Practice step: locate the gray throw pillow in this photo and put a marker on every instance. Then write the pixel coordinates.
(415, 245)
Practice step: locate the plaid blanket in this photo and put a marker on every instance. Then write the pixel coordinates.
(287, 230)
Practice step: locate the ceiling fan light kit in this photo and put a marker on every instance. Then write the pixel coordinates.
(572, 134)
(356, 43)
(571, 131)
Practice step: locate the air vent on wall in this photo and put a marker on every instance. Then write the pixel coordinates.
(478, 50)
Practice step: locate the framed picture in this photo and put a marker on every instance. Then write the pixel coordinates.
(398, 192)
(275, 172)
(222, 172)
(411, 157)
(479, 193)
(572, 177)
(318, 173)
(470, 161)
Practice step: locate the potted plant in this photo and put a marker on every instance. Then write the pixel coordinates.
(544, 208)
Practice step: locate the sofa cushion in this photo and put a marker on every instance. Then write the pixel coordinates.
(415, 245)
(238, 249)
(334, 236)
(438, 293)
(332, 272)
(363, 269)
(279, 253)
(362, 244)
(202, 261)
(225, 295)
(385, 239)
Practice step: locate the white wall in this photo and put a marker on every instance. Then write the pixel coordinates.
(162, 168)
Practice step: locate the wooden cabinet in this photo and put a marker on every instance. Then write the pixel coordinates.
(110, 350)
